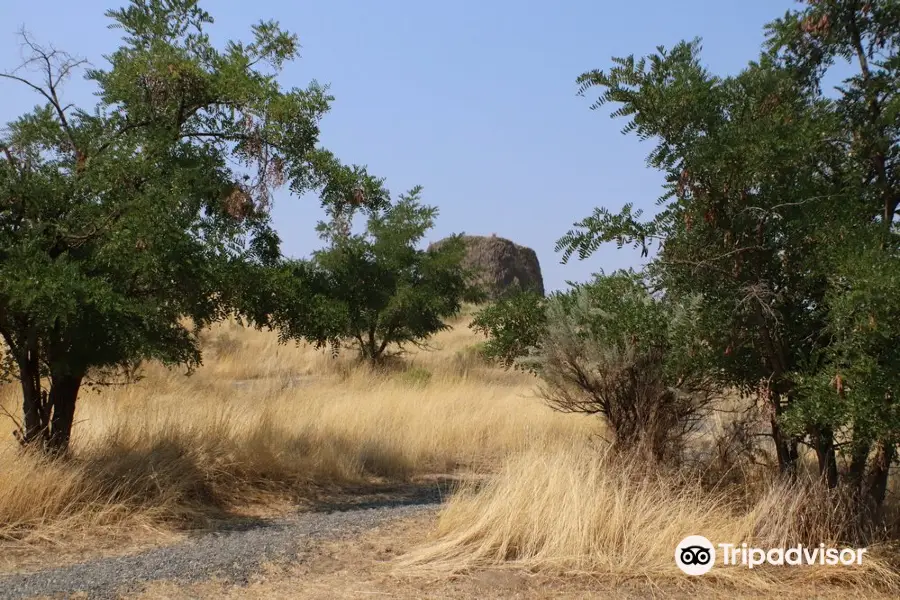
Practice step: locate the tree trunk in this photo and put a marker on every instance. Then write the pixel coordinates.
(785, 447)
(33, 405)
(878, 474)
(857, 472)
(785, 450)
(63, 395)
(824, 441)
(372, 350)
(48, 416)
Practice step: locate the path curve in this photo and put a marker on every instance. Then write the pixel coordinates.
(232, 555)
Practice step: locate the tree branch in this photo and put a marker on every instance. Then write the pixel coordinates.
(47, 57)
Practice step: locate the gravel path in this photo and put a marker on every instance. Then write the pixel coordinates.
(232, 555)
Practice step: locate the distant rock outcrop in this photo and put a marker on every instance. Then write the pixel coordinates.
(502, 265)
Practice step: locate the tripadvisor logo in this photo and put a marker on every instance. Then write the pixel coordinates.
(696, 555)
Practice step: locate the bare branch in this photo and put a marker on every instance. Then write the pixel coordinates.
(55, 66)
(75, 241)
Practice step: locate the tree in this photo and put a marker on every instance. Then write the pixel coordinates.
(738, 153)
(512, 325)
(381, 289)
(777, 197)
(121, 220)
(860, 366)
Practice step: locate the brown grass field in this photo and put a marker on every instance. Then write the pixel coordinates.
(263, 426)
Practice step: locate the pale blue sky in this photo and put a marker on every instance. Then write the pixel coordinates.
(474, 100)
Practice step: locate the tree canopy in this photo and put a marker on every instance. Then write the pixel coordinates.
(779, 215)
(121, 220)
(380, 289)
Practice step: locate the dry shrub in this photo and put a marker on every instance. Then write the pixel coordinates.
(629, 390)
(807, 512)
(733, 449)
(604, 351)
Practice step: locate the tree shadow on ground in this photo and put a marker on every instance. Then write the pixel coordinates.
(390, 495)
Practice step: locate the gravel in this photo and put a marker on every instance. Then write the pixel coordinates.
(232, 555)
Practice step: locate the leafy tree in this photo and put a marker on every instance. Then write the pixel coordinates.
(120, 220)
(512, 325)
(380, 288)
(735, 160)
(777, 200)
(860, 364)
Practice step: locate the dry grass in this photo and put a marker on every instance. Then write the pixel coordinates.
(363, 568)
(577, 510)
(261, 423)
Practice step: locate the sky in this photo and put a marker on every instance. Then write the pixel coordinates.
(475, 100)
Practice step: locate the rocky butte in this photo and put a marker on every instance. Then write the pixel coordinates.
(502, 265)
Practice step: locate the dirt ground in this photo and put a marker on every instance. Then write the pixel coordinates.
(363, 568)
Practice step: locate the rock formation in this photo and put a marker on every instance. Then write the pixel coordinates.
(502, 265)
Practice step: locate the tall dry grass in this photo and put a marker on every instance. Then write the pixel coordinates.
(262, 422)
(577, 508)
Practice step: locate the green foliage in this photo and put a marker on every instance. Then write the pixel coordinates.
(778, 221)
(512, 325)
(609, 347)
(121, 219)
(378, 288)
(619, 312)
(861, 365)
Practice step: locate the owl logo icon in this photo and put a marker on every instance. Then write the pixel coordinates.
(695, 555)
